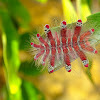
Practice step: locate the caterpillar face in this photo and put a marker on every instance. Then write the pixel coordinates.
(63, 24)
(79, 23)
(46, 28)
(63, 47)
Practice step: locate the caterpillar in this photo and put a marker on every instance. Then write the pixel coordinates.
(63, 46)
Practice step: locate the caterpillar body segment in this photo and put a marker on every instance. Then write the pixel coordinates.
(63, 46)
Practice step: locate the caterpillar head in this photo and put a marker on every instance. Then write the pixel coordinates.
(79, 23)
(63, 24)
(46, 28)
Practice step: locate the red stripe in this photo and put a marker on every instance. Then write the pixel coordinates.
(65, 50)
(82, 37)
(45, 56)
(38, 54)
(49, 35)
(77, 30)
(37, 46)
(82, 41)
(53, 48)
(53, 52)
(75, 44)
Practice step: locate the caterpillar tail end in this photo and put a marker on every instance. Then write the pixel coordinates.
(68, 68)
(31, 43)
(50, 69)
(35, 58)
(95, 51)
(86, 65)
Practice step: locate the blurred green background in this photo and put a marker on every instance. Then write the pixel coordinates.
(20, 79)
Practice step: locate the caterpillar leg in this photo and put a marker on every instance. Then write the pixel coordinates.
(83, 44)
(77, 29)
(65, 50)
(67, 61)
(88, 48)
(48, 32)
(50, 69)
(45, 56)
(78, 51)
(42, 41)
(52, 63)
(52, 60)
(86, 34)
(85, 63)
(37, 46)
(39, 54)
(83, 58)
(68, 68)
(75, 43)
(53, 49)
(46, 48)
(53, 53)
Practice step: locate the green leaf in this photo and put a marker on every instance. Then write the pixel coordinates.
(30, 68)
(88, 71)
(10, 54)
(93, 21)
(18, 11)
(30, 92)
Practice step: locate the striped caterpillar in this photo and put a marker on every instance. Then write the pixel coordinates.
(63, 47)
